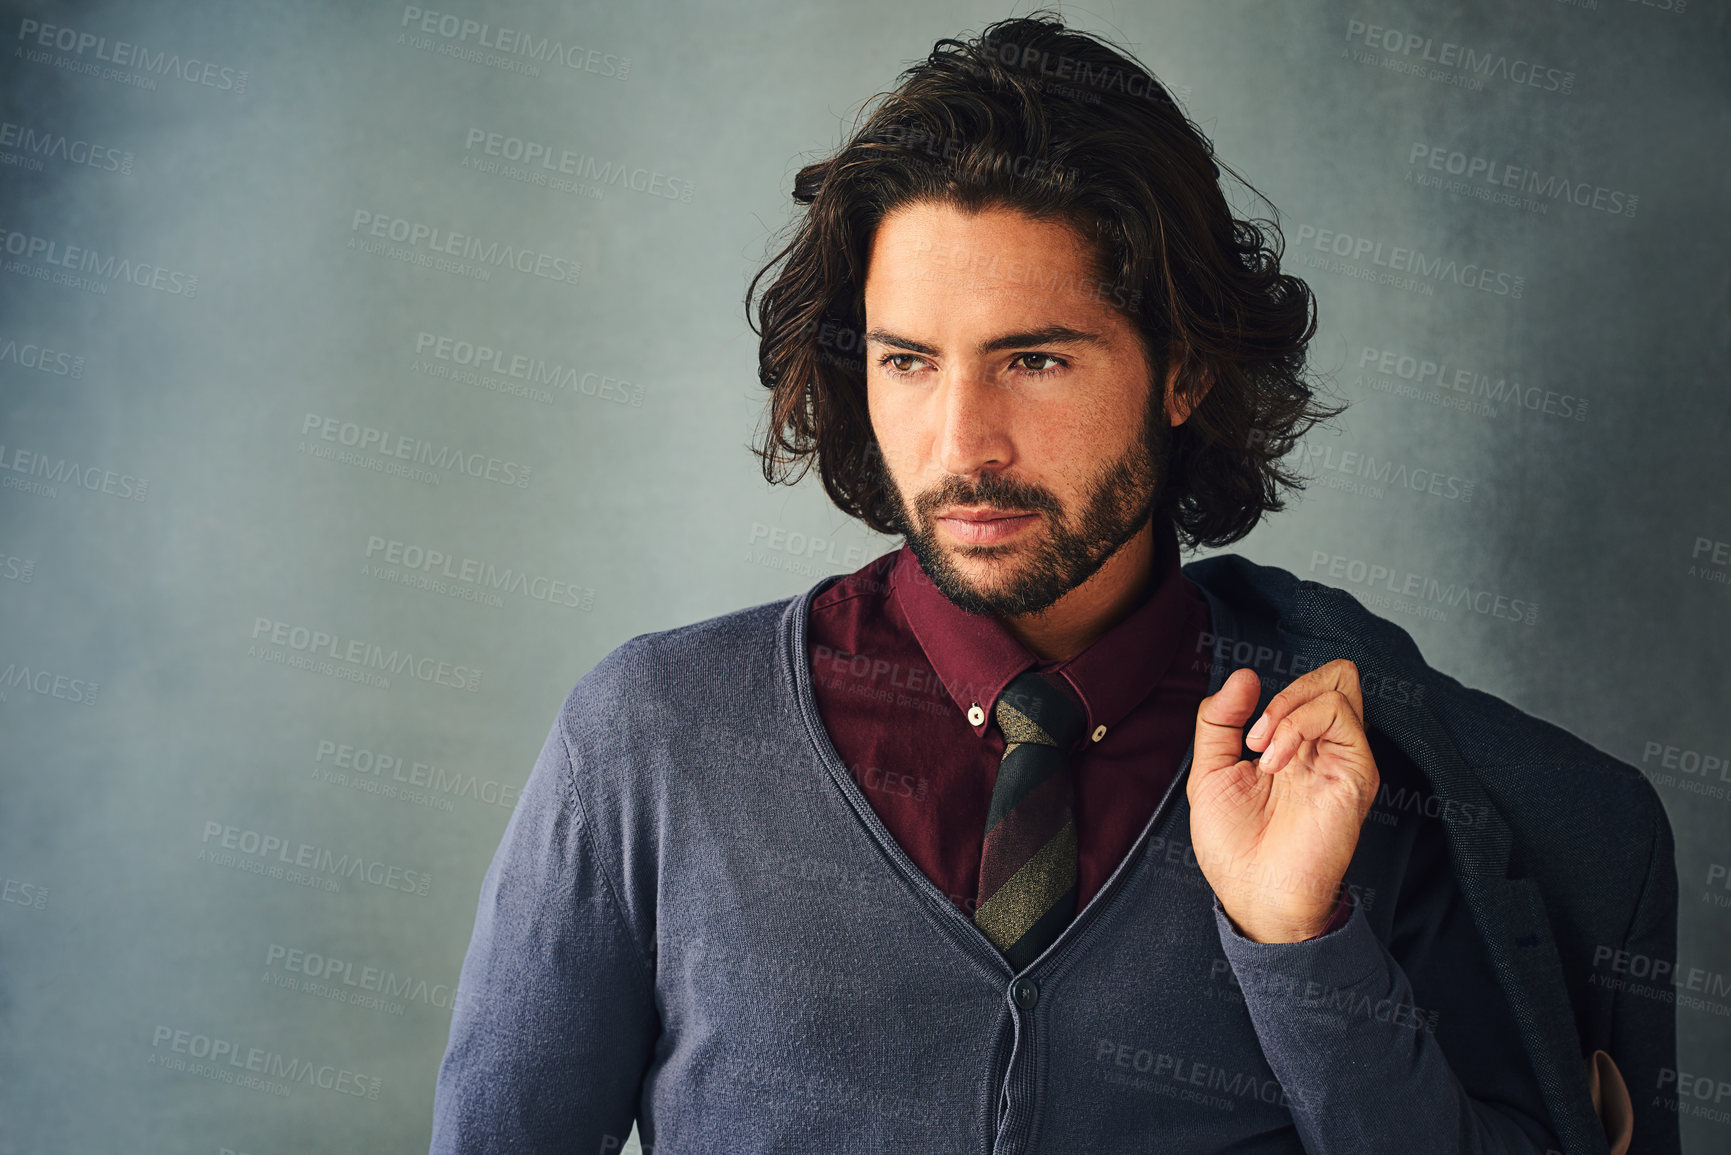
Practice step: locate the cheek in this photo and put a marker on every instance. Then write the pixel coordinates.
(1068, 443)
(875, 410)
(895, 425)
(883, 428)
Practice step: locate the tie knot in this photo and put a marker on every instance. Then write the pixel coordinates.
(1034, 708)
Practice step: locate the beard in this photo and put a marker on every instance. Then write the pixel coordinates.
(1119, 501)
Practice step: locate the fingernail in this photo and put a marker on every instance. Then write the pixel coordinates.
(1258, 730)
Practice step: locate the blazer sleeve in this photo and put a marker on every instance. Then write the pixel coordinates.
(1643, 1022)
(554, 1017)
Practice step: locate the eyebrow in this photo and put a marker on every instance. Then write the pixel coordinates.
(1049, 335)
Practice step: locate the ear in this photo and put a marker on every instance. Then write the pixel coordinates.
(1179, 408)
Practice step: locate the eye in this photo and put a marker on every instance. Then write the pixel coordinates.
(1026, 360)
(894, 362)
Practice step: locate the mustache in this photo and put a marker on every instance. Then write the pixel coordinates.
(991, 493)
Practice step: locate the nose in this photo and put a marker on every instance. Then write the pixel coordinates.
(973, 412)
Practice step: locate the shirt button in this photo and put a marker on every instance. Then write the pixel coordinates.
(1099, 733)
(976, 716)
(1026, 992)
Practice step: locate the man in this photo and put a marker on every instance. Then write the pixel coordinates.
(963, 851)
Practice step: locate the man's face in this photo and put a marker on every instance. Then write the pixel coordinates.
(1001, 386)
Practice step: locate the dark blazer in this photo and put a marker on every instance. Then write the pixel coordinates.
(1569, 856)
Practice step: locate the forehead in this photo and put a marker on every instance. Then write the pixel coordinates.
(928, 256)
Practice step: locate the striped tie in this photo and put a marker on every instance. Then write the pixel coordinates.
(1027, 889)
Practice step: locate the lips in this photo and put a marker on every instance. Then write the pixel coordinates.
(984, 515)
(984, 526)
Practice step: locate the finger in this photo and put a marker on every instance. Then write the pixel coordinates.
(1339, 675)
(1220, 721)
(1326, 718)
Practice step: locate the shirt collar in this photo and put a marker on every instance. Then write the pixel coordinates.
(975, 656)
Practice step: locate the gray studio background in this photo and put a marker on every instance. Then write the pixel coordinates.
(293, 578)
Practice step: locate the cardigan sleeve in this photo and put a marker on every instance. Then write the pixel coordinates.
(1406, 1046)
(554, 1019)
(1355, 1055)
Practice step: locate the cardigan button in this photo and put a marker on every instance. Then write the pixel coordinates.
(1026, 992)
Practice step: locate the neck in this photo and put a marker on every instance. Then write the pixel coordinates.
(1072, 623)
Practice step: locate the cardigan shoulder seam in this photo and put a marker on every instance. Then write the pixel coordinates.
(613, 890)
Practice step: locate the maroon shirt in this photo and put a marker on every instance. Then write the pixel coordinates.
(896, 667)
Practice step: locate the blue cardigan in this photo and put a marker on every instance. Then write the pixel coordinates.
(696, 921)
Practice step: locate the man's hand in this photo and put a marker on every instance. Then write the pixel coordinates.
(1274, 836)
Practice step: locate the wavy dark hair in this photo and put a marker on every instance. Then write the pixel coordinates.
(1063, 126)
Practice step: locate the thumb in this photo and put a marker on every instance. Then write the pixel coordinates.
(1220, 722)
